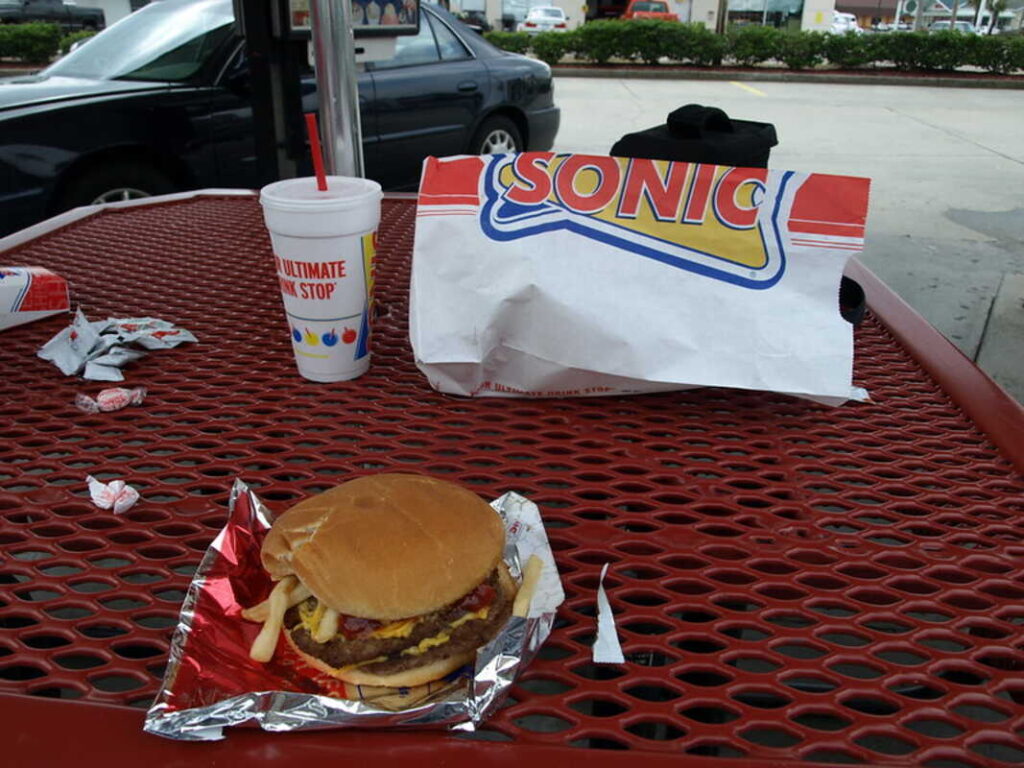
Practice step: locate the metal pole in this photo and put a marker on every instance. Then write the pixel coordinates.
(764, 15)
(337, 86)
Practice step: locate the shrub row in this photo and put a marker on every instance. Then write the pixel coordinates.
(652, 41)
(68, 40)
(34, 43)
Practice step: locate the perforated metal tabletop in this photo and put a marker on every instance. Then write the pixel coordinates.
(791, 582)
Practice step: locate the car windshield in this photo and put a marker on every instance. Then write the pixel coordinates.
(651, 7)
(168, 41)
(546, 13)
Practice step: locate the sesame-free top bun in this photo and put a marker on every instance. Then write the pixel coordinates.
(387, 546)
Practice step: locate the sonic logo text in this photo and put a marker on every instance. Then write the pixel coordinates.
(671, 191)
(734, 225)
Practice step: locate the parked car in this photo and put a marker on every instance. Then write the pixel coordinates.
(545, 18)
(161, 102)
(69, 16)
(475, 20)
(845, 22)
(605, 9)
(649, 9)
(964, 27)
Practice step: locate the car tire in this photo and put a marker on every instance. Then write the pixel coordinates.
(114, 182)
(496, 136)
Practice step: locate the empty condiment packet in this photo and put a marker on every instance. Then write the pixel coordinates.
(150, 332)
(98, 350)
(116, 494)
(113, 399)
(70, 348)
(606, 646)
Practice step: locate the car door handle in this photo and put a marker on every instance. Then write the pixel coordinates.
(468, 85)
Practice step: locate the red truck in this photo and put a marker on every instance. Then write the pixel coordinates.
(649, 9)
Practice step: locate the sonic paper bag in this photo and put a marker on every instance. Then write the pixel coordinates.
(553, 275)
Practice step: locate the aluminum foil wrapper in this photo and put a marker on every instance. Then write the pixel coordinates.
(211, 682)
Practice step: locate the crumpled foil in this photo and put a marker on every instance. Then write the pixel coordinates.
(211, 682)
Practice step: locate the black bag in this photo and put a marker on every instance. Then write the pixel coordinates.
(698, 134)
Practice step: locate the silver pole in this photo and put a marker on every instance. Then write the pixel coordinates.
(334, 55)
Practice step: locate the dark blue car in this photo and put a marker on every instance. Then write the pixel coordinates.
(160, 102)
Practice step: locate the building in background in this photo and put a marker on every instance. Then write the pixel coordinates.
(787, 14)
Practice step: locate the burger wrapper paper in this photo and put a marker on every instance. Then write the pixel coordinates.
(211, 682)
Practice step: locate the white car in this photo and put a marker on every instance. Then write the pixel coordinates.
(545, 18)
(845, 22)
(964, 27)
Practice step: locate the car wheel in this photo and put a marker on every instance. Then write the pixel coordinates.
(497, 136)
(113, 183)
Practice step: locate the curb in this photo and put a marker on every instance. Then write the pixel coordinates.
(839, 78)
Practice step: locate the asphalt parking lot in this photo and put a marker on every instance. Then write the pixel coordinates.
(946, 222)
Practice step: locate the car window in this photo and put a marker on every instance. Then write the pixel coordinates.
(450, 46)
(551, 13)
(413, 49)
(163, 42)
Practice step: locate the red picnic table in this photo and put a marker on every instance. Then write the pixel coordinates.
(791, 582)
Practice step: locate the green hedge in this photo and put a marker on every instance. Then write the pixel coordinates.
(68, 40)
(652, 42)
(34, 43)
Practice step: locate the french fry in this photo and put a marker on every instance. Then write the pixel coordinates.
(265, 644)
(531, 575)
(260, 611)
(328, 626)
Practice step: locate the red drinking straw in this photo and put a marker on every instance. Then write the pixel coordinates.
(314, 149)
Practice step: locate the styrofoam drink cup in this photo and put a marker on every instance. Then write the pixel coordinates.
(324, 245)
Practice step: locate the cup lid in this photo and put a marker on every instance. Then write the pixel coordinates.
(342, 193)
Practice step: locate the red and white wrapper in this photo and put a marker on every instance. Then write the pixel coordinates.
(116, 495)
(30, 293)
(113, 399)
(211, 682)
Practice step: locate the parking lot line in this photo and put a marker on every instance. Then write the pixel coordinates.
(748, 88)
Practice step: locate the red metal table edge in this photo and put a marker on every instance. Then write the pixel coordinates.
(983, 401)
(53, 732)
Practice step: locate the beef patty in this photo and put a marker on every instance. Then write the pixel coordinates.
(340, 651)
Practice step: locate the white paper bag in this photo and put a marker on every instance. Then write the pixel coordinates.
(553, 275)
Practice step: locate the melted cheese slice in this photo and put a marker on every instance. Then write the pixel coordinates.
(401, 628)
(310, 616)
(443, 637)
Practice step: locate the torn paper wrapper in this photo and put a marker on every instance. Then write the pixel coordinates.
(98, 350)
(606, 647)
(116, 495)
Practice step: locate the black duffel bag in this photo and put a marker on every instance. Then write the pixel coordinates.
(698, 134)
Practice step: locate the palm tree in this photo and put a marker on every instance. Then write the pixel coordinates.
(995, 8)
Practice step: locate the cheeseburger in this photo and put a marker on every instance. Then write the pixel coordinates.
(390, 580)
